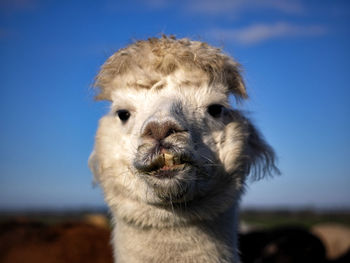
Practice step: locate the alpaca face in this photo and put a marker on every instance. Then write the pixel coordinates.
(172, 149)
(173, 136)
(169, 147)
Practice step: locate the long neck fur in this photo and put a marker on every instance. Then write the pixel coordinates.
(203, 241)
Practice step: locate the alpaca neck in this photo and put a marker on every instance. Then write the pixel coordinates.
(203, 241)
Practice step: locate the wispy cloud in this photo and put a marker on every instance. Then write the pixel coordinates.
(262, 32)
(237, 6)
(232, 7)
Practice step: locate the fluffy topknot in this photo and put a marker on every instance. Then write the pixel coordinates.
(146, 62)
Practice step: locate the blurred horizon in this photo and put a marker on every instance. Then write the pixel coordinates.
(104, 209)
(296, 60)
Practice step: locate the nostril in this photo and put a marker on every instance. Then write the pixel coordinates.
(161, 130)
(148, 133)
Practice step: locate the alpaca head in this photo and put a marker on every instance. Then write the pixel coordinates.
(171, 147)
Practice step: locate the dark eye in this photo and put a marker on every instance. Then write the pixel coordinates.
(123, 115)
(215, 110)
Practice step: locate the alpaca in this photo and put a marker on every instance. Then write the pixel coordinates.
(172, 155)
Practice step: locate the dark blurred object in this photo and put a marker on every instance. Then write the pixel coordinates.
(292, 244)
(33, 242)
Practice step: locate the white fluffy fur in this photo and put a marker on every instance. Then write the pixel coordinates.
(191, 216)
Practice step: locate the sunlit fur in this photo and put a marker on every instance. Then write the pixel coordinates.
(190, 216)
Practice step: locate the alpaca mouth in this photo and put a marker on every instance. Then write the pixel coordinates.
(165, 165)
(167, 173)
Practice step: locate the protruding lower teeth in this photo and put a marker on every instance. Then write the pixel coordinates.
(168, 159)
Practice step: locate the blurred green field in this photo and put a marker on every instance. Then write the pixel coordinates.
(306, 218)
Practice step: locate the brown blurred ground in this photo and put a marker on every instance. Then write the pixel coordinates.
(34, 242)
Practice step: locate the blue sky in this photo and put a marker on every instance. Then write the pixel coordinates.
(296, 63)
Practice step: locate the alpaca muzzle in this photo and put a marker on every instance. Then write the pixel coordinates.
(164, 164)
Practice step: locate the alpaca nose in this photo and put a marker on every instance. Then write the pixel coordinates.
(159, 130)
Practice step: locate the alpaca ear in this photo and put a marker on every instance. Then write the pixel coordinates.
(94, 166)
(234, 80)
(262, 157)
